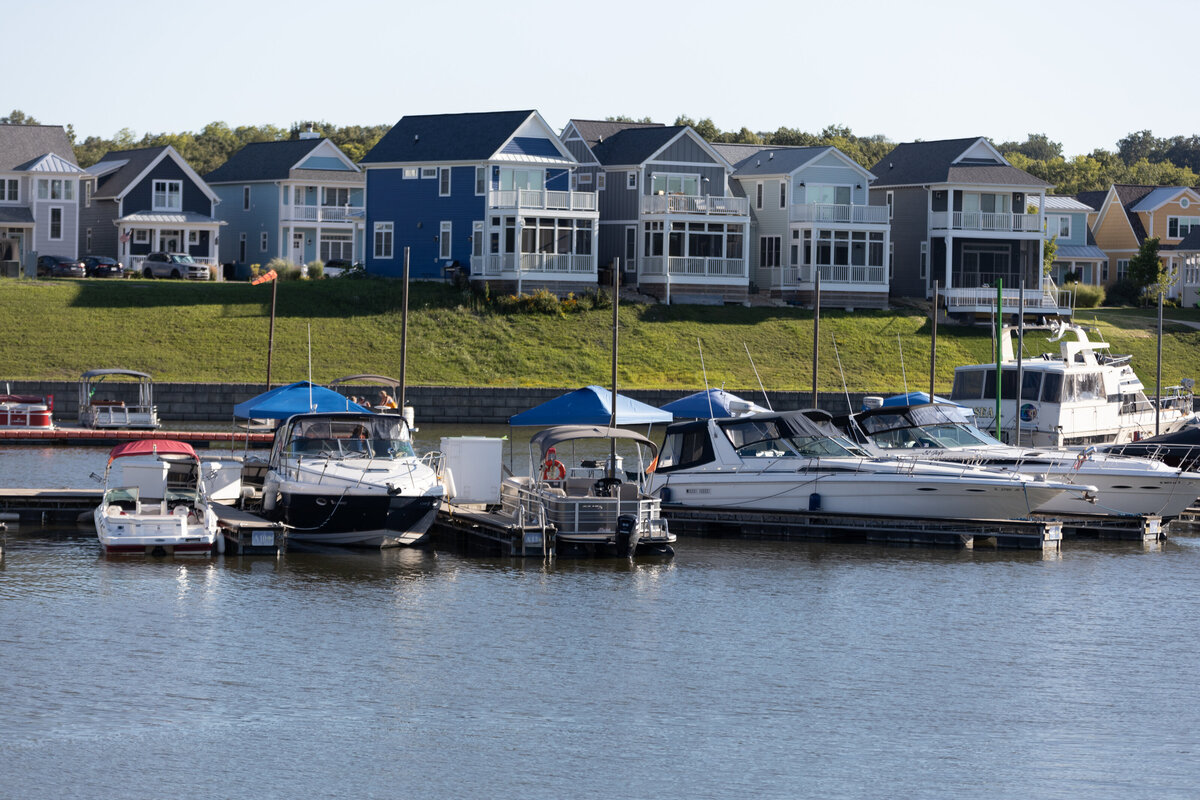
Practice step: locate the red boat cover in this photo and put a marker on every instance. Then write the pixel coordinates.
(147, 447)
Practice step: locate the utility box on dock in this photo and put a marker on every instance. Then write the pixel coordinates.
(474, 464)
(222, 479)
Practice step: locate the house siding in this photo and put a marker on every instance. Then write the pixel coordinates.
(263, 215)
(99, 217)
(910, 224)
(324, 162)
(141, 196)
(68, 245)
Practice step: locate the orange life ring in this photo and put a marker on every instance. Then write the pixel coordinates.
(551, 466)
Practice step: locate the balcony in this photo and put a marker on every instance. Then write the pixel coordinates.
(322, 213)
(542, 264)
(692, 267)
(986, 221)
(541, 200)
(704, 205)
(847, 214)
(852, 275)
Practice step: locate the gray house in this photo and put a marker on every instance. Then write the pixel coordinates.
(666, 209)
(39, 196)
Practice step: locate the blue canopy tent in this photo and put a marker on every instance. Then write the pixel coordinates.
(716, 403)
(296, 398)
(591, 405)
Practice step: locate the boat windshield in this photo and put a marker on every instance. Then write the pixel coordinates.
(925, 426)
(768, 438)
(376, 436)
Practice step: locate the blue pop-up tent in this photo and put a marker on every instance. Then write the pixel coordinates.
(591, 405)
(716, 403)
(296, 398)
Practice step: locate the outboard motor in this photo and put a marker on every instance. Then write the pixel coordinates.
(627, 535)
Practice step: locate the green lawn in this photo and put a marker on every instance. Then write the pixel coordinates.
(217, 332)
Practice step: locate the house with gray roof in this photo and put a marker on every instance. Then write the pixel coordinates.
(961, 217)
(667, 210)
(1188, 253)
(40, 187)
(492, 192)
(810, 218)
(144, 201)
(1077, 257)
(301, 200)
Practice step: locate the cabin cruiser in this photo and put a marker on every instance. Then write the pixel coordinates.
(27, 411)
(1080, 397)
(784, 461)
(943, 432)
(155, 501)
(592, 503)
(350, 479)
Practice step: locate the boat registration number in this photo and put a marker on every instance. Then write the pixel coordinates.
(262, 538)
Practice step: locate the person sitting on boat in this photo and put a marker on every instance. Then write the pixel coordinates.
(386, 400)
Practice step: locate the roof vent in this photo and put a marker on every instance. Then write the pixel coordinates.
(309, 134)
(891, 165)
(771, 156)
(416, 137)
(758, 163)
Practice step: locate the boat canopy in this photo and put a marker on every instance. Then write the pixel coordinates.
(149, 447)
(377, 380)
(714, 403)
(551, 437)
(296, 398)
(591, 405)
(105, 373)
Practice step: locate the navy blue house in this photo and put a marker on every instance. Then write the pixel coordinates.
(486, 192)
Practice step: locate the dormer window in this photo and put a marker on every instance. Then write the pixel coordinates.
(168, 195)
(55, 189)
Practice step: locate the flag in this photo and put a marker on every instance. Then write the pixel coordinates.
(270, 275)
(125, 237)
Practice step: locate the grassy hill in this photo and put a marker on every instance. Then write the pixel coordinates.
(179, 331)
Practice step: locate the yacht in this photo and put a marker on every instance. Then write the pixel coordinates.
(943, 432)
(784, 461)
(1080, 397)
(351, 479)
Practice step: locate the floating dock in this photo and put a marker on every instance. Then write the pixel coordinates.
(109, 437)
(248, 534)
(471, 528)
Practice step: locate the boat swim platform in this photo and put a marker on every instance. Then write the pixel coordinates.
(110, 437)
(472, 529)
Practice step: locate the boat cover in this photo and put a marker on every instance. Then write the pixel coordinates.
(591, 405)
(302, 397)
(147, 447)
(714, 403)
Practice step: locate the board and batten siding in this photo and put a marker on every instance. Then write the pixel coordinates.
(910, 223)
(262, 216)
(99, 216)
(140, 197)
(68, 245)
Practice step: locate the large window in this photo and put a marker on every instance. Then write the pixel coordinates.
(444, 239)
(1061, 227)
(983, 264)
(383, 239)
(510, 179)
(335, 196)
(667, 183)
(843, 248)
(768, 251)
(55, 189)
(337, 247)
(1178, 227)
(826, 194)
(56, 224)
(168, 195)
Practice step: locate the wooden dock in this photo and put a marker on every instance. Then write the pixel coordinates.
(471, 529)
(248, 534)
(110, 437)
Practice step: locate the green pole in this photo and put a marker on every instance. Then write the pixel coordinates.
(999, 328)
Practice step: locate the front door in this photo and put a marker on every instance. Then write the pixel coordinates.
(297, 248)
(168, 241)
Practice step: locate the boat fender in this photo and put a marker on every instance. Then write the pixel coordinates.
(270, 490)
(221, 542)
(448, 484)
(814, 502)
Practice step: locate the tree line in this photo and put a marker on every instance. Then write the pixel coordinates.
(1139, 158)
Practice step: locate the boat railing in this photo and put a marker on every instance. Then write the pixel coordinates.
(1181, 456)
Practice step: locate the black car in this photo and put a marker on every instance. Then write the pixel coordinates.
(103, 267)
(60, 267)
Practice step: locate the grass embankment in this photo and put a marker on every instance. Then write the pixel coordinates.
(215, 332)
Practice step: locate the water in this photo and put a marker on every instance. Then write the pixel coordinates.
(765, 669)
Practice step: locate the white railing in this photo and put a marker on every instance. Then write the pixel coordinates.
(135, 262)
(828, 212)
(543, 199)
(322, 213)
(984, 299)
(693, 267)
(695, 204)
(496, 265)
(790, 277)
(986, 221)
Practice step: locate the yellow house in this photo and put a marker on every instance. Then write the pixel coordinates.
(1126, 215)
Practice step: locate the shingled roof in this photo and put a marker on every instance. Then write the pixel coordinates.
(22, 144)
(431, 138)
(925, 163)
(264, 161)
(135, 162)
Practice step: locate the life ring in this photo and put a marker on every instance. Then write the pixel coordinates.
(552, 466)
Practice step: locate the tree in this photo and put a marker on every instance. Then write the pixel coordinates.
(17, 117)
(1049, 253)
(1142, 144)
(1146, 269)
(1036, 146)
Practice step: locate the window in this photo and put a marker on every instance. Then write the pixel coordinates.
(168, 195)
(141, 236)
(246, 197)
(1178, 227)
(443, 181)
(194, 237)
(87, 196)
(600, 176)
(337, 246)
(768, 250)
(88, 240)
(444, 239)
(825, 194)
(891, 259)
(631, 180)
(783, 194)
(336, 196)
(55, 189)
(1064, 228)
(477, 239)
(480, 180)
(532, 179)
(10, 186)
(585, 179)
(410, 173)
(1122, 268)
(383, 240)
(242, 248)
(924, 259)
(758, 191)
(56, 223)
(667, 183)
(263, 242)
(429, 172)
(891, 204)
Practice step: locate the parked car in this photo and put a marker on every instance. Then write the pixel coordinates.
(60, 267)
(103, 267)
(174, 265)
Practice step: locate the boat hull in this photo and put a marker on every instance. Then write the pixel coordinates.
(153, 535)
(356, 520)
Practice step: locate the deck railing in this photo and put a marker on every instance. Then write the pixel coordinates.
(986, 221)
(296, 213)
(790, 277)
(695, 204)
(495, 265)
(542, 199)
(693, 267)
(830, 212)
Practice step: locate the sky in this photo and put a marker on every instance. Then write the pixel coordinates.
(906, 70)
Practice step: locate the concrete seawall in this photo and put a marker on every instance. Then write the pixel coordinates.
(214, 402)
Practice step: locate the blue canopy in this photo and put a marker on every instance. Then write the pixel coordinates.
(591, 405)
(916, 398)
(723, 404)
(285, 401)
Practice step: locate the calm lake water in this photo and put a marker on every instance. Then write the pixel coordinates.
(737, 669)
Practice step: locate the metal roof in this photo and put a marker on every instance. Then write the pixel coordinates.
(163, 217)
(1079, 251)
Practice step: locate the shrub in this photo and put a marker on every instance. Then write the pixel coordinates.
(316, 270)
(1088, 296)
(255, 271)
(1124, 293)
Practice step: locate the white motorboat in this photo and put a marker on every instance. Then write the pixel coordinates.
(592, 503)
(155, 501)
(1082, 396)
(784, 461)
(942, 432)
(351, 479)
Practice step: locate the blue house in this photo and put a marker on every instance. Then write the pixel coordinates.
(301, 200)
(666, 209)
(1077, 255)
(144, 201)
(489, 191)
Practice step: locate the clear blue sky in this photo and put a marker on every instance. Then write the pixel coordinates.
(1084, 73)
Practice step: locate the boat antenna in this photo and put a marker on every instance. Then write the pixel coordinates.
(903, 374)
(766, 399)
(704, 373)
(310, 402)
(845, 391)
(611, 472)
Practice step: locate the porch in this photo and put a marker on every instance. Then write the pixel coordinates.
(1047, 300)
(993, 222)
(829, 212)
(307, 213)
(704, 205)
(541, 200)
